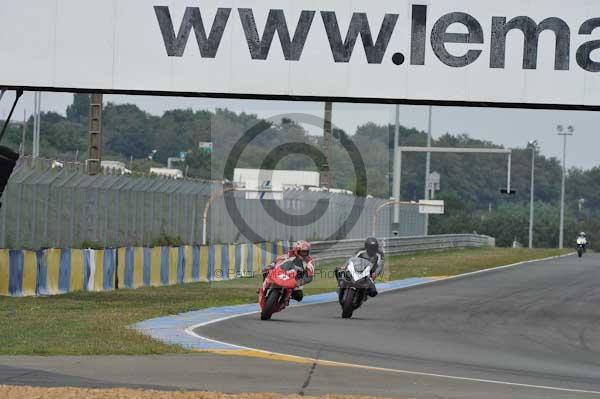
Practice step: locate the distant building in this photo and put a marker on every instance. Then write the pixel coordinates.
(115, 165)
(205, 146)
(273, 182)
(332, 190)
(166, 172)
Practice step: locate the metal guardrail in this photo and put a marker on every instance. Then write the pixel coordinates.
(398, 245)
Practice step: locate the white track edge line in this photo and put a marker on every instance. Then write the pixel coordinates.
(190, 331)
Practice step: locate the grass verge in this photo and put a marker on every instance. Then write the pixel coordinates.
(96, 323)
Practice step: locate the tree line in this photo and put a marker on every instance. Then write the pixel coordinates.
(470, 184)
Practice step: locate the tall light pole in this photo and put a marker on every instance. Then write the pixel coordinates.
(397, 171)
(561, 132)
(37, 104)
(533, 145)
(428, 169)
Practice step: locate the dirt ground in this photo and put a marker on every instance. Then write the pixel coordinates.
(19, 392)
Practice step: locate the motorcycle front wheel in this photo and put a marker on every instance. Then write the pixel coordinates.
(270, 304)
(579, 252)
(348, 305)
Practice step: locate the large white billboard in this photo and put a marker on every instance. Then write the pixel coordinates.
(507, 52)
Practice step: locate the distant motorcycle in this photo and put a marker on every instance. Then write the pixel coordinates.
(275, 293)
(581, 246)
(353, 282)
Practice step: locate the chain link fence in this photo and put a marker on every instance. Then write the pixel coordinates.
(63, 207)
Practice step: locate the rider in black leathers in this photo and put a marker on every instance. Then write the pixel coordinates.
(374, 254)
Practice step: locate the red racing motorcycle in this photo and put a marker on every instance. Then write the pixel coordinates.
(274, 296)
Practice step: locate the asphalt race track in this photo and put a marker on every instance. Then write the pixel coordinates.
(534, 330)
(536, 324)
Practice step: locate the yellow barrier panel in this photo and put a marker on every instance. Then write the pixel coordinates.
(138, 267)
(173, 260)
(30, 274)
(155, 264)
(4, 272)
(77, 270)
(257, 264)
(99, 271)
(188, 253)
(203, 263)
(53, 271)
(121, 261)
(231, 269)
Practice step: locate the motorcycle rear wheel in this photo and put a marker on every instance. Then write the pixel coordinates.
(348, 305)
(270, 304)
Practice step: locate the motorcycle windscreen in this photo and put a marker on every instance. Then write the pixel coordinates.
(360, 264)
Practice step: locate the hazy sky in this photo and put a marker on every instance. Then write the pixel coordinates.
(512, 128)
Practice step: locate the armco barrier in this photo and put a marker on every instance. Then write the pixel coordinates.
(398, 245)
(58, 271)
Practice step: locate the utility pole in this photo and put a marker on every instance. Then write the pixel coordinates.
(24, 133)
(95, 137)
(327, 133)
(561, 132)
(428, 170)
(37, 103)
(397, 172)
(533, 144)
(35, 120)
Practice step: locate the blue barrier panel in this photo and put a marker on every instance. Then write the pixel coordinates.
(239, 249)
(249, 259)
(224, 262)
(109, 266)
(181, 261)
(211, 263)
(164, 266)
(64, 271)
(16, 259)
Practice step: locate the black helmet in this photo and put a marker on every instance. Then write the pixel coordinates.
(371, 246)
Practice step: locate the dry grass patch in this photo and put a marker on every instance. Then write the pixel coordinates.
(14, 392)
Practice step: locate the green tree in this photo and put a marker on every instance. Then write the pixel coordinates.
(79, 110)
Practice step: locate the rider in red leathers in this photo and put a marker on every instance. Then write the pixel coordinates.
(304, 263)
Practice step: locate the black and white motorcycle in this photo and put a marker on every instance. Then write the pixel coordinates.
(353, 282)
(581, 246)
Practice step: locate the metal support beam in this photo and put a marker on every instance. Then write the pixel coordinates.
(458, 150)
(95, 136)
(12, 110)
